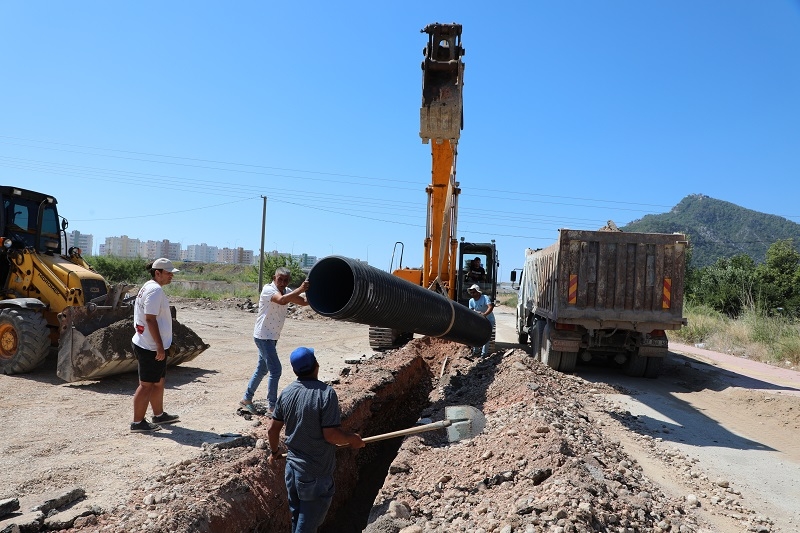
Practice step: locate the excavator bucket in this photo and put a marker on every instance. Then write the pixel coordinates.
(96, 342)
(441, 116)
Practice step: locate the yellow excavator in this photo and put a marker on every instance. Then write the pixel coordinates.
(446, 263)
(51, 298)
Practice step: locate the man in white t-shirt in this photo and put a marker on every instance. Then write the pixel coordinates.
(275, 297)
(151, 341)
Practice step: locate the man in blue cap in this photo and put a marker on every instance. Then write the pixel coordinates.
(309, 408)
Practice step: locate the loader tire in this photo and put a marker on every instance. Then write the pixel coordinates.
(24, 340)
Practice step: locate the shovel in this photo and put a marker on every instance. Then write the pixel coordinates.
(461, 421)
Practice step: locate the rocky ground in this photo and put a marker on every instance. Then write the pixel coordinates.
(554, 457)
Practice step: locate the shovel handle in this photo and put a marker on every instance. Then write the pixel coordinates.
(401, 432)
(409, 431)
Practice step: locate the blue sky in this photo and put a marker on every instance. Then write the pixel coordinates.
(170, 120)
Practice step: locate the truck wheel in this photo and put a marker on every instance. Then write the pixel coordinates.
(550, 357)
(24, 340)
(636, 365)
(653, 367)
(536, 340)
(522, 338)
(568, 362)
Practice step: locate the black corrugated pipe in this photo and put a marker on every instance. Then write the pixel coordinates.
(347, 289)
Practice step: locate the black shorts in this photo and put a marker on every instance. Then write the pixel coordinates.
(150, 370)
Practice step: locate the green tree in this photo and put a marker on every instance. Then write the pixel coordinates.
(273, 262)
(727, 286)
(777, 278)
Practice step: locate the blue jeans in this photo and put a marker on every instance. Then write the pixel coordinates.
(483, 351)
(268, 362)
(309, 499)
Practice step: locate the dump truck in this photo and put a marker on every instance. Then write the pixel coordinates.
(602, 294)
(53, 297)
(445, 260)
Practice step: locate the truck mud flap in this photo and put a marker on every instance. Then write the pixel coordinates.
(105, 351)
(652, 351)
(566, 345)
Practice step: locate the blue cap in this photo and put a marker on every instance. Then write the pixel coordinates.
(303, 360)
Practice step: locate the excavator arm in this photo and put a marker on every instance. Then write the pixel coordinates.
(441, 119)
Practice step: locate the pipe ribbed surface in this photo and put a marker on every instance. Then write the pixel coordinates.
(346, 289)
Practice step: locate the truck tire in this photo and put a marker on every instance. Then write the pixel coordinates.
(636, 365)
(536, 340)
(568, 362)
(653, 367)
(522, 338)
(550, 357)
(24, 340)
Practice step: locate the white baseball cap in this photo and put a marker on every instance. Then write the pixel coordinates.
(163, 263)
(475, 288)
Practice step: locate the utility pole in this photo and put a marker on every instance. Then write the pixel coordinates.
(261, 257)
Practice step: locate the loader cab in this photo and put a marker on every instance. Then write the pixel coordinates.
(478, 264)
(29, 220)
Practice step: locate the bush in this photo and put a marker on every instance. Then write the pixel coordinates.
(703, 322)
(120, 270)
(508, 299)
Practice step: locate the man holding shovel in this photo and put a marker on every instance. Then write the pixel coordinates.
(309, 408)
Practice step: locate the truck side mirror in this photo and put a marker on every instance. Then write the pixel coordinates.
(513, 276)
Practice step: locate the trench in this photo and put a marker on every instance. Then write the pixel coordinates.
(381, 396)
(388, 393)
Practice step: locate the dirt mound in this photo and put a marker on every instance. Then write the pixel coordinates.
(541, 463)
(115, 339)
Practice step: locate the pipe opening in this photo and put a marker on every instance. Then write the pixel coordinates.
(332, 286)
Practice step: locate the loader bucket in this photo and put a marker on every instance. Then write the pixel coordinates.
(94, 344)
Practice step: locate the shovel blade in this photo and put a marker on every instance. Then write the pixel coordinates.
(466, 422)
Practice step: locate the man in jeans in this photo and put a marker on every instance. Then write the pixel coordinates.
(275, 297)
(309, 408)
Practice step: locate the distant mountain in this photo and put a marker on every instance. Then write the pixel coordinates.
(719, 229)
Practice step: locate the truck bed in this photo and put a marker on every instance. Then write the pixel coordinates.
(607, 279)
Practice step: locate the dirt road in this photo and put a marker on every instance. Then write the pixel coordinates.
(58, 435)
(736, 419)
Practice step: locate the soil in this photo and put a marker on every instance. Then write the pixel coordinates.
(703, 448)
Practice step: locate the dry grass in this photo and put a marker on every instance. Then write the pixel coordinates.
(754, 335)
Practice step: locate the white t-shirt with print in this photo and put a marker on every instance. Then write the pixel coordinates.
(151, 300)
(271, 316)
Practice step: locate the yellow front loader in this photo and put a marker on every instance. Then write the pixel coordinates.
(50, 298)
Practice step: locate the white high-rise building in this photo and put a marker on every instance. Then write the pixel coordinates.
(123, 247)
(201, 253)
(84, 241)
